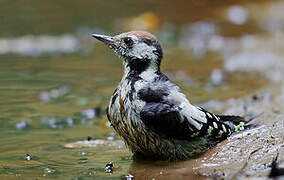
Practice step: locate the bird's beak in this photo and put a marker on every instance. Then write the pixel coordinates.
(105, 39)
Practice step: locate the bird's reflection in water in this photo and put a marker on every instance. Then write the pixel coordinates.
(142, 169)
(190, 169)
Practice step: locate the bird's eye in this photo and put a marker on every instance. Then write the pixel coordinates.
(128, 41)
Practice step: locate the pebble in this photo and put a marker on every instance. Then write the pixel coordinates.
(129, 177)
(108, 167)
(89, 138)
(28, 157)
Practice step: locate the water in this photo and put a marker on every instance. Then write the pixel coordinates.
(56, 81)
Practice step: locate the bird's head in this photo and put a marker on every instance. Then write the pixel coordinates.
(140, 50)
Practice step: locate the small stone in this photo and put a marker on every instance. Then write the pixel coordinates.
(255, 98)
(83, 154)
(48, 171)
(89, 138)
(108, 167)
(129, 177)
(28, 157)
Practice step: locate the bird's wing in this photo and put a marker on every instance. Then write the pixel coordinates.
(170, 113)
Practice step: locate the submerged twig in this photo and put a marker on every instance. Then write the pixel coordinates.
(275, 170)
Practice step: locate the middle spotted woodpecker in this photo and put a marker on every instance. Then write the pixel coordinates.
(150, 113)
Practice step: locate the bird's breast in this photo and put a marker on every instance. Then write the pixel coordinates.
(124, 112)
(121, 106)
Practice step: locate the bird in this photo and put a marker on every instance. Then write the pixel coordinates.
(149, 111)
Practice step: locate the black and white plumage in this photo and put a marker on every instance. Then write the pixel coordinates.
(150, 113)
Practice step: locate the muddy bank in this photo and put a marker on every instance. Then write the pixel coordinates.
(248, 154)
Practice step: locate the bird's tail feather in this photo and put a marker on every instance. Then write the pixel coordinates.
(234, 121)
